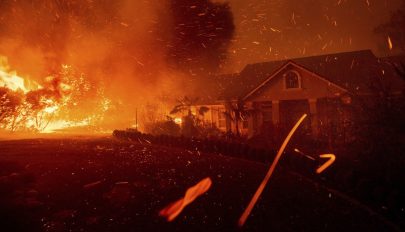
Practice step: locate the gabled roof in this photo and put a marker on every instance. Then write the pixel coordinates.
(352, 71)
(287, 66)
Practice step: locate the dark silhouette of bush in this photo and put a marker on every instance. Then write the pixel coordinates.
(168, 127)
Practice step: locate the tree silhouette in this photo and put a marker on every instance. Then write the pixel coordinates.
(190, 121)
(184, 104)
(37, 101)
(237, 112)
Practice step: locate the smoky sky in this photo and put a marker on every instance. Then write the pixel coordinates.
(147, 35)
(282, 29)
(144, 41)
(202, 31)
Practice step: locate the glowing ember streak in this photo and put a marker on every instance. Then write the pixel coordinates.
(174, 209)
(91, 185)
(328, 163)
(259, 191)
(302, 153)
(389, 43)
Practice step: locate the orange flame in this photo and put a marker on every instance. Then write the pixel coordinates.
(175, 208)
(10, 79)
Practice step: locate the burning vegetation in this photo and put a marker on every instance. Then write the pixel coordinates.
(61, 101)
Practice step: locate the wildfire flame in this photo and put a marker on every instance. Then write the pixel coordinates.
(175, 208)
(10, 79)
(51, 107)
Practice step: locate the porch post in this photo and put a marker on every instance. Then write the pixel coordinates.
(275, 112)
(251, 120)
(314, 116)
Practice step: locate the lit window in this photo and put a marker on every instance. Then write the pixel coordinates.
(292, 80)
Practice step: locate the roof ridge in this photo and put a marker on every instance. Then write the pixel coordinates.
(313, 56)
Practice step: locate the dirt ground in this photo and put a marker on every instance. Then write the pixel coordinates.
(102, 184)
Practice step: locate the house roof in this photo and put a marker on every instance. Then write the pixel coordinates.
(353, 71)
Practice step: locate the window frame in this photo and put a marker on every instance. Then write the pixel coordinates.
(221, 118)
(299, 80)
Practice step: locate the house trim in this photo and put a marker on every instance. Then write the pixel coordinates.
(278, 71)
(299, 80)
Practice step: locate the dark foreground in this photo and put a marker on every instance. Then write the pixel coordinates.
(107, 185)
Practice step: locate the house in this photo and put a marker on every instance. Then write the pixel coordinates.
(275, 94)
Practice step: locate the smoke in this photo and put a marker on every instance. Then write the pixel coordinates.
(138, 50)
(201, 33)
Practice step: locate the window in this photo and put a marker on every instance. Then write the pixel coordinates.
(221, 118)
(266, 111)
(292, 80)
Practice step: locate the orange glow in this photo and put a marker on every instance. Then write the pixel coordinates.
(174, 209)
(178, 120)
(259, 191)
(328, 163)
